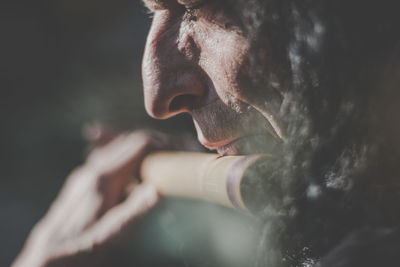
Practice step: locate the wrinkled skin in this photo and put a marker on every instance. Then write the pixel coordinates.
(195, 61)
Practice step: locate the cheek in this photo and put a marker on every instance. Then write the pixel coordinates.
(223, 56)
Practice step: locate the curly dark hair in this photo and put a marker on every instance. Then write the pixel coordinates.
(337, 63)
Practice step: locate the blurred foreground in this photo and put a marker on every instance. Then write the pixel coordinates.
(64, 64)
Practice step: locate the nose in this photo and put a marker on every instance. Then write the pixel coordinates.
(172, 80)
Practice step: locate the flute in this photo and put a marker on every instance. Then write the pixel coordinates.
(232, 181)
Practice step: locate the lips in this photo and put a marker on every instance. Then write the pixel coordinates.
(223, 147)
(249, 144)
(232, 148)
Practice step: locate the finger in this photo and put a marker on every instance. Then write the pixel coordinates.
(122, 218)
(98, 186)
(119, 161)
(112, 226)
(143, 198)
(121, 151)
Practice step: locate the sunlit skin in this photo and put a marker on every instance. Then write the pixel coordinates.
(195, 62)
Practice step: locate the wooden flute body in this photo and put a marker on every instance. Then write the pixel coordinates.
(233, 181)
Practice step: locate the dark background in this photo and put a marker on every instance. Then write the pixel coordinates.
(63, 64)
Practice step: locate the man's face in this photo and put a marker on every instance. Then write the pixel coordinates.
(195, 61)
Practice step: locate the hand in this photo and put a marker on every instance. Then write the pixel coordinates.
(92, 210)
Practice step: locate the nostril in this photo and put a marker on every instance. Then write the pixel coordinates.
(182, 103)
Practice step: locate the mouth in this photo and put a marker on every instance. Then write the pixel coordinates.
(228, 132)
(244, 145)
(221, 146)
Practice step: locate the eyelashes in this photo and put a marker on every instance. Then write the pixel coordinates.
(217, 14)
(190, 13)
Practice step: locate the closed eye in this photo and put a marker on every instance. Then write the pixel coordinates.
(190, 10)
